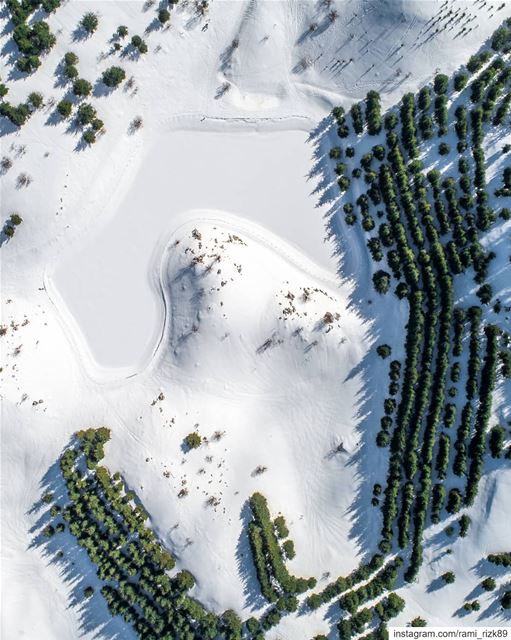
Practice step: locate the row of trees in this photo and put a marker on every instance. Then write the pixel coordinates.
(109, 523)
(460, 459)
(500, 559)
(427, 264)
(268, 555)
(412, 345)
(483, 80)
(429, 283)
(436, 392)
(342, 584)
(407, 116)
(383, 581)
(478, 443)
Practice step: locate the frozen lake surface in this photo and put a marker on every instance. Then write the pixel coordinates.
(108, 283)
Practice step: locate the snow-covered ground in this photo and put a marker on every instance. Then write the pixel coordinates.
(105, 311)
(111, 296)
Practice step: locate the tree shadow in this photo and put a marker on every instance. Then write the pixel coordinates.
(350, 252)
(154, 25)
(130, 52)
(7, 127)
(251, 589)
(100, 89)
(10, 51)
(73, 564)
(226, 56)
(54, 118)
(315, 30)
(79, 34)
(495, 610)
(435, 585)
(4, 238)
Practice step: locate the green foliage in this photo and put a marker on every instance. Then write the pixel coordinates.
(460, 81)
(232, 625)
(443, 148)
(81, 87)
(472, 606)
(85, 114)
(71, 72)
(373, 113)
(496, 440)
(88, 592)
(488, 584)
(424, 98)
(357, 118)
(28, 64)
(163, 16)
(139, 44)
(287, 603)
(501, 39)
(454, 501)
(280, 527)
(64, 107)
(89, 22)
(485, 293)
(92, 443)
(32, 41)
(382, 439)
(127, 556)
(97, 124)
(407, 113)
(193, 440)
(448, 577)
(442, 460)
(70, 59)
(122, 31)
(113, 76)
(505, 601)
(289, 549)
(476, 61)
(384, 350)
(267, 554)
(17, 115)
(500, 559)
(391, 121)
(35, 99)
(389, 607)
(418, 622)
(344, 183)
(383, 581)
(441, 84)
(464, 523)
(487, 384)
(381, 281)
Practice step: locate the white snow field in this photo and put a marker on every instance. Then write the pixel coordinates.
(112, 298)
(177, 277)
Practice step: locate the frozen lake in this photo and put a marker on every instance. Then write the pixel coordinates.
(108, 282)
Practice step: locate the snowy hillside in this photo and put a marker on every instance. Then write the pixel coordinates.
(261, 282)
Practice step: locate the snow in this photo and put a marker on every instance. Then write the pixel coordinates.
(117, 315)
(218, 373)
(184, 170)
